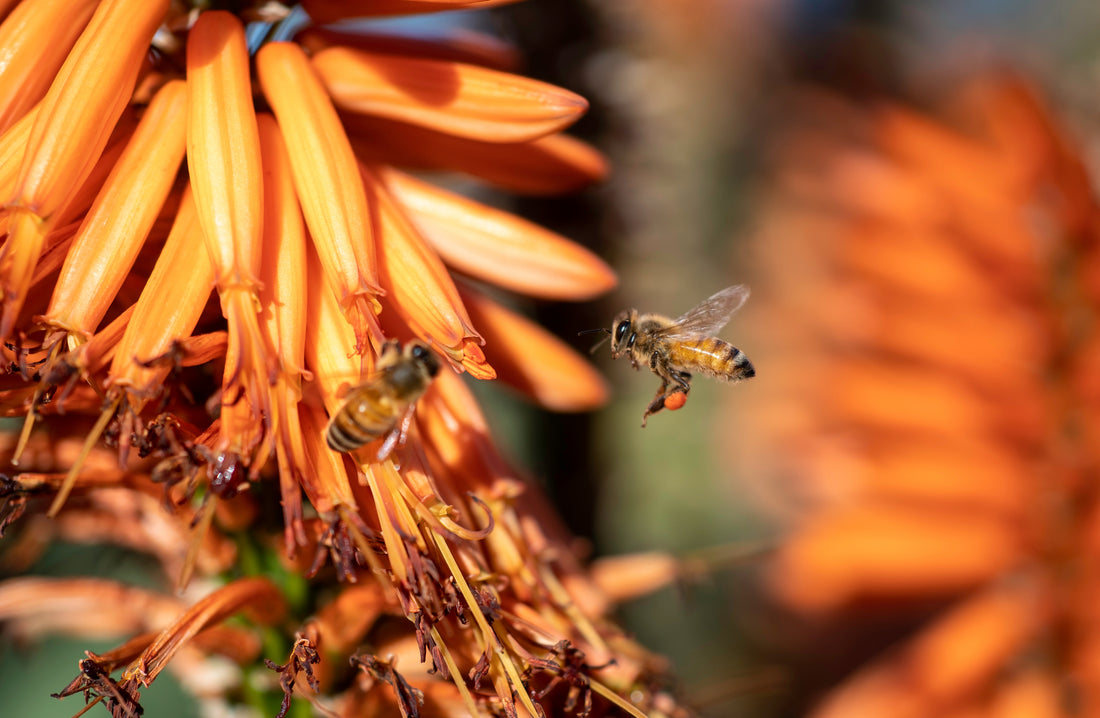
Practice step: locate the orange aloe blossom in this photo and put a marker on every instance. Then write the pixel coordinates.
(179, 335)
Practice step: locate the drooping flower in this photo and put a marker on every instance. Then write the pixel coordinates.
(208, 237)
(929, 288)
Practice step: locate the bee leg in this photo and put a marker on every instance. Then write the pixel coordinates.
(397, 437)
(658, 402)
(683, 384)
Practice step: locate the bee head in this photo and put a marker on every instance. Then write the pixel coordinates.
(622, 333)
(422, 355)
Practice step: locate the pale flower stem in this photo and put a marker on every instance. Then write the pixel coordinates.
(457, 678)
(500, 649)
(93, 437)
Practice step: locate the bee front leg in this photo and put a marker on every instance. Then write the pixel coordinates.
(683, 384)
(397, 436)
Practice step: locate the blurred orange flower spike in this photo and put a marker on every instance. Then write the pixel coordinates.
(419, 287)
(916, 551)
(458, 99)
(169, 307)
(36, 38)
(223, 148)
(561, 379)
(326, 179)
(121, 217)
(499, 247)
(84, 102)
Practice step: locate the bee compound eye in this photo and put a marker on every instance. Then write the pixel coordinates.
(419, 351)
(621, 330)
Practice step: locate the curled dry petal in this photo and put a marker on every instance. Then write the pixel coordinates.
(36, 38)
(459, 99)
(561, 379)
(257, 596)
(326, 179)
(499, 247)
(114, 230)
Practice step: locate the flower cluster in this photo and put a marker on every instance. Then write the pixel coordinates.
(934, 405)
(206, 239)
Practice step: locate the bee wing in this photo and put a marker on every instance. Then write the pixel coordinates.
(708, 318)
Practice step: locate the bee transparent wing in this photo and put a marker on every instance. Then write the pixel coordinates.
(708, 318)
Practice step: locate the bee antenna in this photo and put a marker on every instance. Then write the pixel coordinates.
(600, 343)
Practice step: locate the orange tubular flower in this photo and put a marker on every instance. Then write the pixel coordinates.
(327, 181)
(320, 253)
(929, 337)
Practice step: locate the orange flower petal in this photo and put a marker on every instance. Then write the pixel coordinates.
(829, 562)
(114, 230)
(561, 379)
(36, 38)
(283, 298)
(330, 341)
(418, 286)
(329, 11)
(168, 309)
(554, 164)
(284, 257)
(458, 99)
(499, 247)
(326, 178)
(84, 102)
(453, 44)
(223, 147)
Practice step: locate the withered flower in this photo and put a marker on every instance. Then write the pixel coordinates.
(206, 240)
(933, 402)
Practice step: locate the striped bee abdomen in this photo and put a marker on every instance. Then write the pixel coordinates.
(712, 357)
(359, 421)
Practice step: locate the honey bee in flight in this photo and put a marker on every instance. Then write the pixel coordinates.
(676, 348)
(383, 404)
